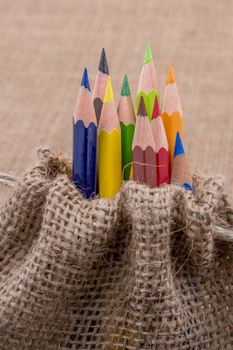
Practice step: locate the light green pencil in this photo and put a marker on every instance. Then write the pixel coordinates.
(148, 83)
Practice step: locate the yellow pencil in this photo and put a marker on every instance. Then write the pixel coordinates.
(109, 147)
(172, 113)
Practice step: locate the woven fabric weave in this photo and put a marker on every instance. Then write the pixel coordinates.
(141, 271)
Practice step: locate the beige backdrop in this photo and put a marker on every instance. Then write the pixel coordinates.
(45, 45)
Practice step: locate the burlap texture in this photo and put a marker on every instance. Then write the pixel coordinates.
(141, 271)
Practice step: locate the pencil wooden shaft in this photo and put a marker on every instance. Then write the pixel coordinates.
(163, 169)
(110, 175)
(139, 173)
(150, 161)
(79, 156)
(84, 158)
(109, 147)
(127, 133)
(91, 178)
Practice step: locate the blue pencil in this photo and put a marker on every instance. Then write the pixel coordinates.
(85, 141)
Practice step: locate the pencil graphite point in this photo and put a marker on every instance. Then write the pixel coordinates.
(125, 91)
(85, 80)
(148, 54)
(171, 76)
(108, 97)
(103, 64)
(142, 108)
(179, 149)
(156, 110)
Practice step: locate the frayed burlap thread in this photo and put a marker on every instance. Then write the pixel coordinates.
(141, 271)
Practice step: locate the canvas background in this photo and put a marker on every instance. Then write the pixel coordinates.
(45, 45)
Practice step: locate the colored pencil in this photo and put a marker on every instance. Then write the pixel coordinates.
(161, 145)
(84, 141)
(180, 174)
(127, 123)
(144, 155)
(172, 112)
(100, 85)
(148, 83)
(109, 147)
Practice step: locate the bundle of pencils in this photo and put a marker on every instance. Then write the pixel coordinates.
(110, 146)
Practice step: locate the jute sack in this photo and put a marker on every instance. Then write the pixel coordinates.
(148, 269)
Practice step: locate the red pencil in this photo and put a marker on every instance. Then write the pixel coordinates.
(161, 145)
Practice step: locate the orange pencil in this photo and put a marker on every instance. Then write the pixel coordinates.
(172, 112)
(144, 155)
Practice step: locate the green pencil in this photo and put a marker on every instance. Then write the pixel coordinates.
(127, 122)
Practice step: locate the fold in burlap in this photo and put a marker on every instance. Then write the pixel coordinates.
(141, 271)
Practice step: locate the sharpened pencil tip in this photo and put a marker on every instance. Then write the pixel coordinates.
(142, 108)
(156, 110)
(125, 90)
(171, 75)
(179, 149)
(148, 54)
(103, 64)
(85, 80)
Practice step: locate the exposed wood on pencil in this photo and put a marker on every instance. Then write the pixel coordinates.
(100, 85)
(180, 174)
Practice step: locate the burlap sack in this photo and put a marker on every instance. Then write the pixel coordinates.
(146, 270)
